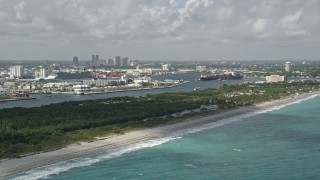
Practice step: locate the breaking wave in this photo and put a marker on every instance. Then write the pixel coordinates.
(57, 168)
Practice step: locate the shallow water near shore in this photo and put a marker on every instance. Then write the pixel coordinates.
(273, 144)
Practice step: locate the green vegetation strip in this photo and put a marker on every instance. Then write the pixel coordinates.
(30, 130)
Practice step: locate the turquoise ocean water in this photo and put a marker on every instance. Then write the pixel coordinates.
(280, 143)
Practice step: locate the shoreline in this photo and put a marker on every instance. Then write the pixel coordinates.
(9, 167)
(17, 99)
(119, 90)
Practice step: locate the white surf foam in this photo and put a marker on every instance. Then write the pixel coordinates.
(57, 168)
(213, 124)
(237, 150)
(47, 171)
(151, 143)
(190, 165)
(288, 104)
(238, 118)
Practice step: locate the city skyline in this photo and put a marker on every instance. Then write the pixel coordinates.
(160, 30)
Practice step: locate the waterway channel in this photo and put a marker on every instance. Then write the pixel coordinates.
(44, 99)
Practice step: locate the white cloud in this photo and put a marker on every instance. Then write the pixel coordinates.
(118, 25)
(292, 18)
(260, 25)
(224, 13)
(191, 6)
(296, 33)
(20, 15)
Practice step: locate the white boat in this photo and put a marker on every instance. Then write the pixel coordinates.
(51, 76)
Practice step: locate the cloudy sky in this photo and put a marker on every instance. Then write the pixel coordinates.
(160, 29)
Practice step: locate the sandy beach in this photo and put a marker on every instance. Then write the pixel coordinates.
(15, 166)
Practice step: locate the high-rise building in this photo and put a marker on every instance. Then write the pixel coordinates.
(75, 61)
(117, 61)
(16, 71)
(125, 61)
(42, 72)
(110, 62)
(94, 60)
(287, 66)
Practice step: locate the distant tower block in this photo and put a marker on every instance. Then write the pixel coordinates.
(117, 61)
(42, 72)
(287, 66)
(16, 71)
(75, 61)
(94, 60)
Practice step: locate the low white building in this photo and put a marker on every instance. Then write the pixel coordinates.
(201, 68)
(142, 80)
(59, 84)
(81, 89)
(275, 78)
(139, 72)
(109, 81)
(10, 84)
(166, 67)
